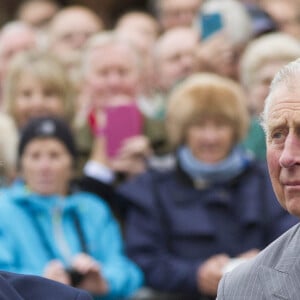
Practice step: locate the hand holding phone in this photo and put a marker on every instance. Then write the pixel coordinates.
(116, 124)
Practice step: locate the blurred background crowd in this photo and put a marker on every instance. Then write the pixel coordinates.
(133, 162)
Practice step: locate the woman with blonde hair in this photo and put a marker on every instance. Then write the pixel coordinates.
(187, 226)
(37, 84)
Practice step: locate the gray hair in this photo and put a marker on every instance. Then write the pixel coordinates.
(268, 48)
(287, 76)
(14, 28)
(103, 39)
(172, 34)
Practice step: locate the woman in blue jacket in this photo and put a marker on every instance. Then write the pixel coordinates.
(47, 229)
(187, 226)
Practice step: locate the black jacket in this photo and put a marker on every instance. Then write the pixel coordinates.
(27, 287)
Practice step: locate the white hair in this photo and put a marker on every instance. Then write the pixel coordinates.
(15, 26)
(14, 29)
(170, 34)
(287, 76)
(269, 48)
(101, 40)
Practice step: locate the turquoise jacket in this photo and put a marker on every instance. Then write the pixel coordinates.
(35, 229)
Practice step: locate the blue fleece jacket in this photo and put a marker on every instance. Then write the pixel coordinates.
(23, 250)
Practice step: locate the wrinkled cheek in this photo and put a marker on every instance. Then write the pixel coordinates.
(277, 187)
(273, 162)
(274, 172)
(292, 201)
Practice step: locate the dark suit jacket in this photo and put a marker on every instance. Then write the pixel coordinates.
(27, 287)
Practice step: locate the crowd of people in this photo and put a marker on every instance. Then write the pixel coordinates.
(132, 157)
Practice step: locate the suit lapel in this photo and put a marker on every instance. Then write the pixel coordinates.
(275, 284)
(283, 280)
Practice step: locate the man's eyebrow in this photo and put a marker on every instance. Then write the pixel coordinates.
(283, 122)
(277, 123)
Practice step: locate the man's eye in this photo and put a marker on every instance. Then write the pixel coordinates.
(277, 135)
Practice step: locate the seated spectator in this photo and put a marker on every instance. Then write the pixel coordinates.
(68, 32)
(141, 23)
(176, 13)
(15, 37)
(188, 226)
(37, 84)
(220, 53)
(37, 13)
(262, 58)
(71, 236)
(174, 61)
(141, 30)
(110, 79)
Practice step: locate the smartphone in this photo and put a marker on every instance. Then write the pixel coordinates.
(122, 122)
(210, 23)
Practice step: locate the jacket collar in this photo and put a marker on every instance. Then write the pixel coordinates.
(280, 285)
(21, 195)
(216, 194)
(283, 280)
(200, 185)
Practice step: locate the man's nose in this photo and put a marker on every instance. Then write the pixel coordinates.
(291, 152)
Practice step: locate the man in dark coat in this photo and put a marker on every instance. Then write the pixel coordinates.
(25, 287)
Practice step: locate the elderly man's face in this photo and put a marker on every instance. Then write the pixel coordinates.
(69, 33)
(178, 13)
(112, 74)
(283, 146)
(13, 43)
(175, 61)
